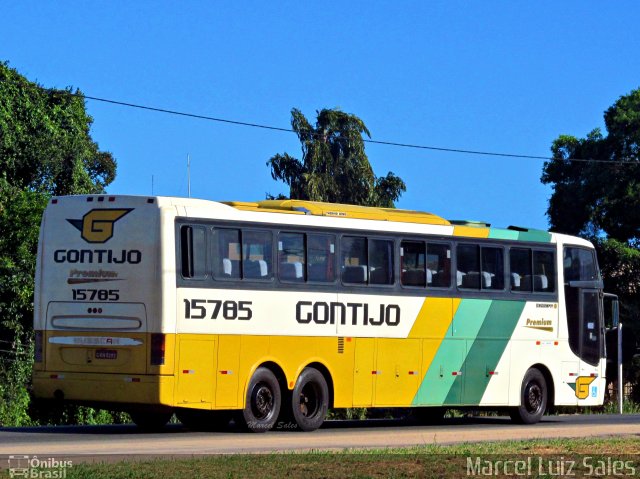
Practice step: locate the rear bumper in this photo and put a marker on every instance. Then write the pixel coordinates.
(104, 388)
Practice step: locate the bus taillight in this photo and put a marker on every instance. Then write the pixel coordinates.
(157, 349)
(38, 349)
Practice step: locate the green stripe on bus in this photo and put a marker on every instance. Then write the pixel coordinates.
(439, 381)
(487, 349)
(535, 235)
(530, 235)
(503, 234)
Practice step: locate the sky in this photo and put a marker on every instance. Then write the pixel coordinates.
(503, 76)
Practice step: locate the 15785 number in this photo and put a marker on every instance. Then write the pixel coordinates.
(96, 294)
(214, 308)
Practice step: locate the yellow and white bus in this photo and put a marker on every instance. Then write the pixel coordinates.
(283, 309)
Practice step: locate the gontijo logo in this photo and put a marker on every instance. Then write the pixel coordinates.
(97, 225)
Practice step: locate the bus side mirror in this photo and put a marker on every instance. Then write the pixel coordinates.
(597, 284)
(611, 313)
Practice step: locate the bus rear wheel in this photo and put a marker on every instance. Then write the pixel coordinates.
(310, 400)
(533, 399)
(263, 402)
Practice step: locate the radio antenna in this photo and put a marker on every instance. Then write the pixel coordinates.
(189, 175)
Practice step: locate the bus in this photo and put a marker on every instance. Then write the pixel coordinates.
(270, 313)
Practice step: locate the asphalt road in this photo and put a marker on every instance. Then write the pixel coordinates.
(90, 443)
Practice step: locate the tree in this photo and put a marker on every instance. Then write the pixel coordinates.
(45, 149)
(20, 213)
(45, 143)
(600, 200)
(334, 167)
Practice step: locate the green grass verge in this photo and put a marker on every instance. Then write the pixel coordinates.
(423, 461)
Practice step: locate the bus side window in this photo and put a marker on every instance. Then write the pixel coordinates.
(321, 252)
(544, 272)
(193, 251)
(291, 257)
(257, 262)
(579, 265)
(520, 268)
(227, 254)
(354, 260)
(492, 268)
(468, 264)
(380, 262)
(413, 264)
(438, 265)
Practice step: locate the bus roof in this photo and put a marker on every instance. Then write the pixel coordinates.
(339, 210)
(464, 228)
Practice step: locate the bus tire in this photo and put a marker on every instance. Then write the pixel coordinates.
(310, 400)
(533, 399)
(263, 402)
(150, 421)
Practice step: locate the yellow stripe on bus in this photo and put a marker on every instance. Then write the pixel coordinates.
(431, 325)
(471, 231)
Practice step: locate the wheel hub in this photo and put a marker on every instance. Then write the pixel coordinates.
(534, 398)
(263, 402)
(308, 400)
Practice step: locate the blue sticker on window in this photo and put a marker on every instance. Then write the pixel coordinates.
(594, 392)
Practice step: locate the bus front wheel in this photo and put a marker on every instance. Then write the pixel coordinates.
(263, 402)
(310, 400)
(533, 399)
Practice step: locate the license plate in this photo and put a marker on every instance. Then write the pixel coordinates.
(106, 354)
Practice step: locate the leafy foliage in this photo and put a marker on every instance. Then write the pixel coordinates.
(600, 200)
(44, 139)
(56, 414)
(45, 149)
(20, 213)
(620, 265)
(15, 372)
(334, 167)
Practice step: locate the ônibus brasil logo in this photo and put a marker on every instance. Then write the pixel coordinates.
(97, 225)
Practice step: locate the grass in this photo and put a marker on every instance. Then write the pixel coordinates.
(423, 461)
(628, 407)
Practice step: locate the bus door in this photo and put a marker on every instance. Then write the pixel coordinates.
(196, 370)
(583, 298)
